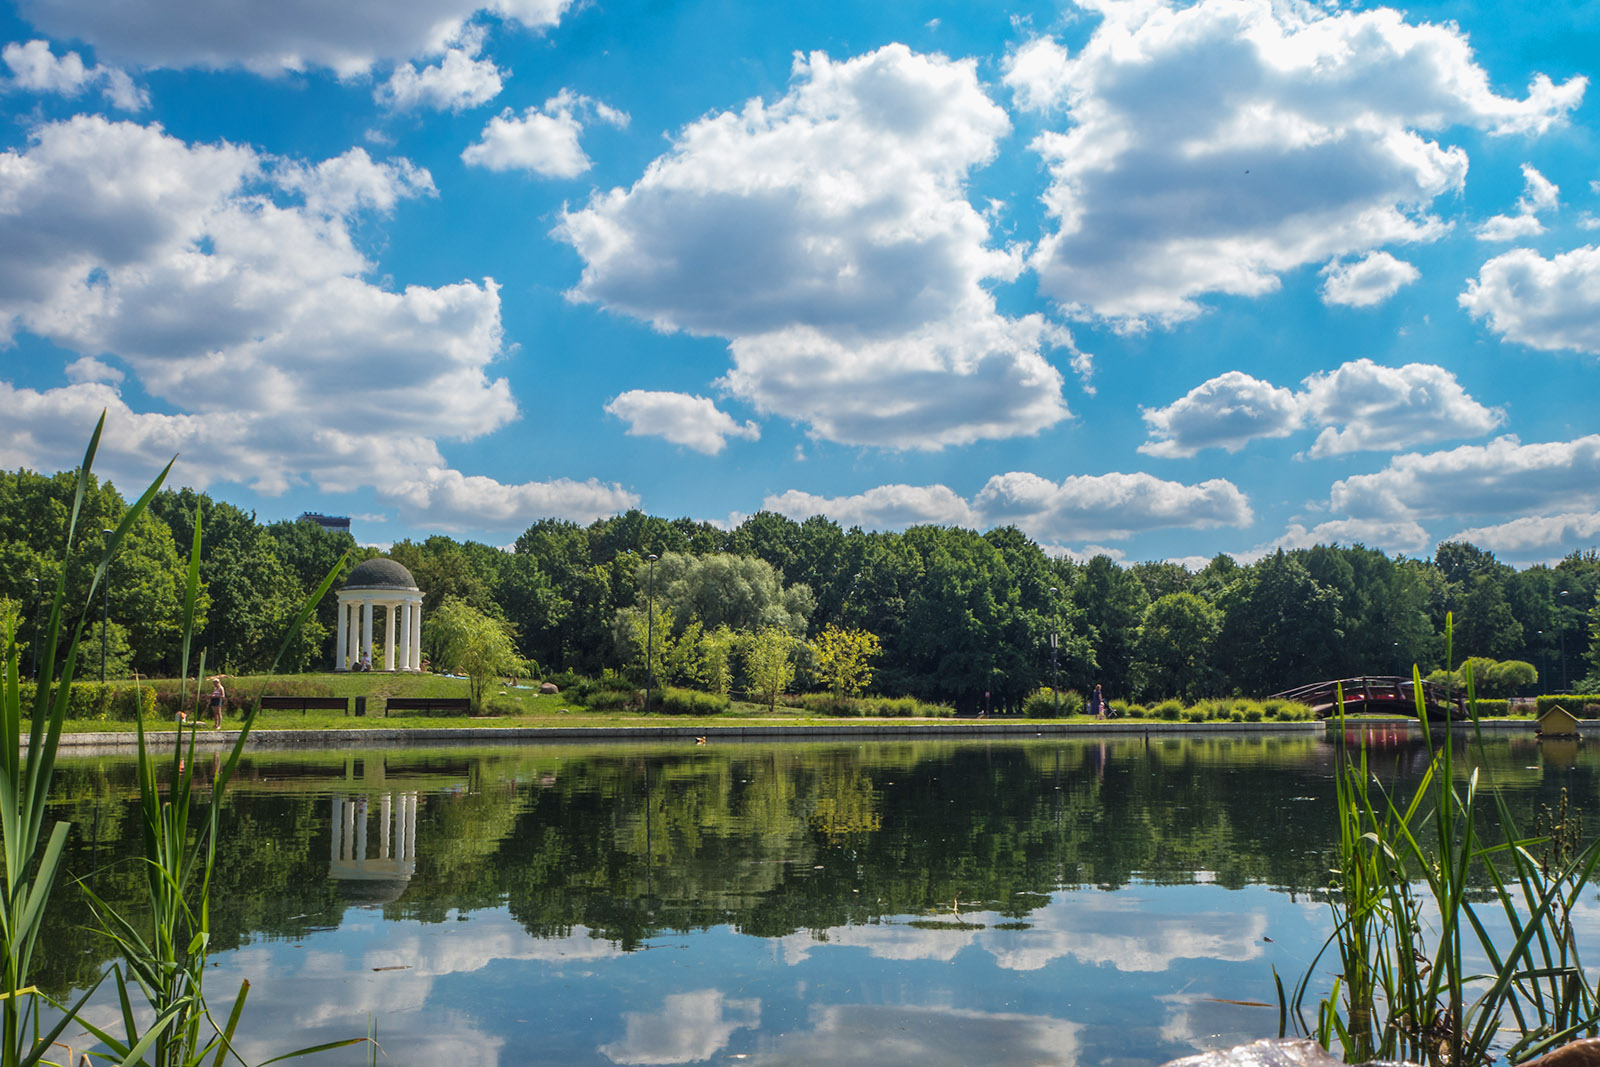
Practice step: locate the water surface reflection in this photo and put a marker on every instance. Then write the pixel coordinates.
(930, 902)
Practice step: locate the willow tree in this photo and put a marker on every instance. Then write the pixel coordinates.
(478, 645)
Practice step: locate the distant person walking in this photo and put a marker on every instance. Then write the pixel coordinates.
(1097, 704)
(218, 696)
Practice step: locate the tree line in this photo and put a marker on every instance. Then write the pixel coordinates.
(955, 616)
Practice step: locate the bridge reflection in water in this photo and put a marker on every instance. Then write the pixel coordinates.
(379, 879)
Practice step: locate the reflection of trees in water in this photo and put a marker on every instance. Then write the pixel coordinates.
(630, 843)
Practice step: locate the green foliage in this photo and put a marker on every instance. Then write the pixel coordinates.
(1572, 702)
(872, 707)
(1040, 704)
(114, 701)
(1408, 987)
(843, 658)
(502, 705)
(769, 663)
(674, 701)
(717, 649)
(1168, 709)
(1175, 651)
(467, 640)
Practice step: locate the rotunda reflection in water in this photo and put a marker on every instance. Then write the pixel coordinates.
(373, 880)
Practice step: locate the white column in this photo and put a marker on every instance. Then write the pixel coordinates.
(388, 637)
(340, 657)
(338, 825)
(402, 633)
(416, 636)
(407, 645)
(366, 630)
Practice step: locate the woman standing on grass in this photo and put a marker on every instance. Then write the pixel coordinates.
(218, 695)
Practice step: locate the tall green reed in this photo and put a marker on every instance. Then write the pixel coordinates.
(1405, 916)
(30, 874)
(164, 956)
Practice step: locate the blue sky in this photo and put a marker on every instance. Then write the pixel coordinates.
(1153, 280)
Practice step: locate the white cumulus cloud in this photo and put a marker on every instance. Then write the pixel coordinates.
(887, 507)
(1360, 406)
(1363, 406)
(1210, 147)
(458, 81)
(829, 237)
(1549, 304)
(1226, 412)
(1504, 477)
(348, 37)
(34, 68)
(1108, 505)
(1367, 281)
(1538, 194)
(229, 285)
(1537, 538)
(692, 421)
(542, 140)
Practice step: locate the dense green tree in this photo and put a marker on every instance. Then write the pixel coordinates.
(1279, 628)
(1176, 651)
(1161, 577)
(740, 592)
(1113, 602)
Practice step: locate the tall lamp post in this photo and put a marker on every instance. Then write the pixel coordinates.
(650, 639)
(37, 586)
(1563, 620)
(1542, 656)
(105, 614)
(1055, 643)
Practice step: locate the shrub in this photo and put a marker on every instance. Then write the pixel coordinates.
(1134, 711)
(1168, 709)
(111, 702)
(1040, 704)
(1575, 703)
(1254, 713)
(499, 705)
(1198, 713)
(1072, 703)
(674, 701)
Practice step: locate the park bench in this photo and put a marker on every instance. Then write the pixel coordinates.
(305, 704)
(453, 705)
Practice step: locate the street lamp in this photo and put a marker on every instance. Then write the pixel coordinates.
(650, 640)
(1055, 642)
(105, 613)
(1563, 620)
(1542, 656)
(37, 602)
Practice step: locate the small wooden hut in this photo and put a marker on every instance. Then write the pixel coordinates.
(1558, 722)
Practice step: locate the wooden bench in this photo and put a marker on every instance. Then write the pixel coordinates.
(305, 704)
(453, 705)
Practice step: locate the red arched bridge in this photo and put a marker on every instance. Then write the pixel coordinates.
(1377, 696)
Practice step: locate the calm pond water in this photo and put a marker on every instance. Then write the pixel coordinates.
(1027, 902)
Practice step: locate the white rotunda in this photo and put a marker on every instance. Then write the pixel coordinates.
(379, 583)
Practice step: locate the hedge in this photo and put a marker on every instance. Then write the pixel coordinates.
(1577, 704)
(111, 701)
